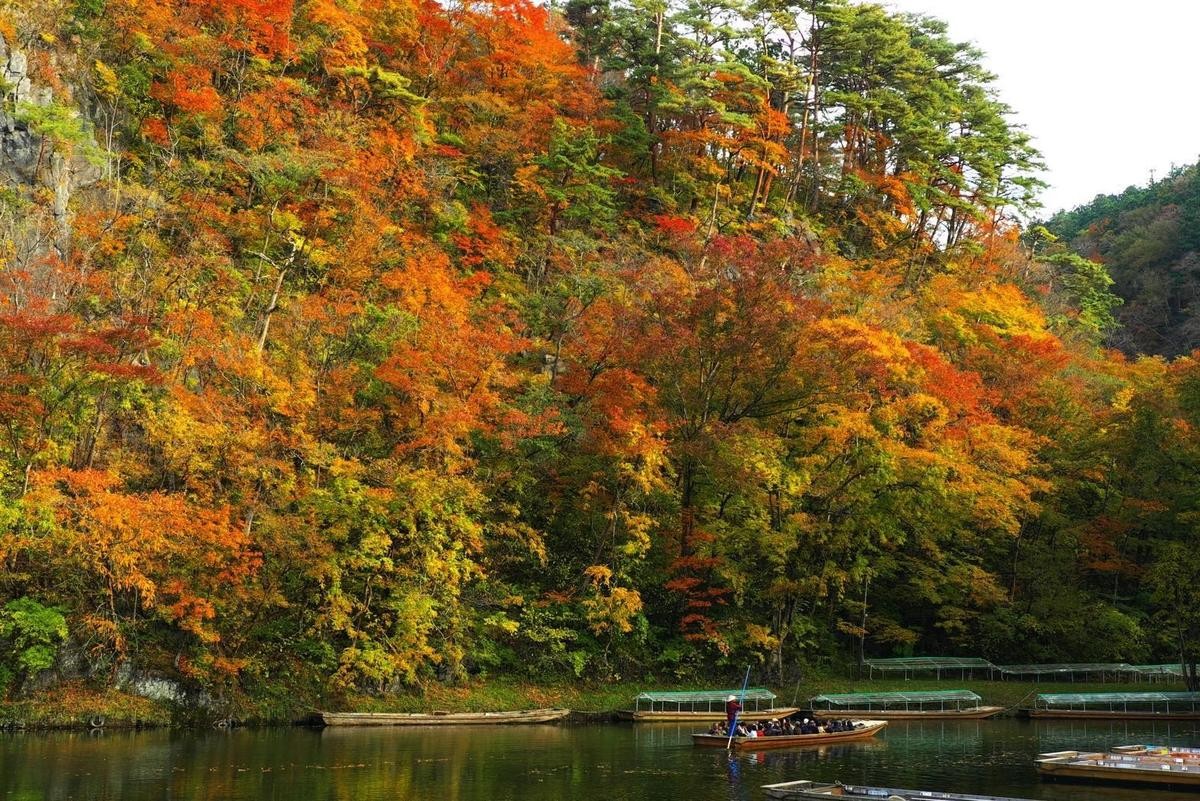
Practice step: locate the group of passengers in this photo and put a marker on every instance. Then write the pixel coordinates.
(774, 728)
(781, 727)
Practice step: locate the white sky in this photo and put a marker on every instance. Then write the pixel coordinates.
(1109, 90)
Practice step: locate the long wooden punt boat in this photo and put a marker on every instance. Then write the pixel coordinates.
(702, 716)
(864, 730)
(927, 705)
(820, 791)
(702, 706)
(1109, 714)
(442, 718)
(978, 713)
(1117, 706)
(1119, 768)
(1157, 751)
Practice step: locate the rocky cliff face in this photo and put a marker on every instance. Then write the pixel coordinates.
(29, 161)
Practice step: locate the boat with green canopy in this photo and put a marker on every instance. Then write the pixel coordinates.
(1117, 706)
(703, 705)
(959, 704)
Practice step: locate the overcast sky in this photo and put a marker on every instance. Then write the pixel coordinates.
(1110, 91)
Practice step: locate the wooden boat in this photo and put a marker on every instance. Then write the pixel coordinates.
(702, 716)
(819, 791)
(1119, 768)
(442, 718)
(1109, 714)
(702, 706)
(864, 730)
(907, 705)
(1117, 706)
(978, 713)
(1158, 751)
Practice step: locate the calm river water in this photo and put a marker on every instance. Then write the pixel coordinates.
(546, 763)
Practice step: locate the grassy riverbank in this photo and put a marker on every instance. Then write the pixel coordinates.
(74, 706)
(507, 694)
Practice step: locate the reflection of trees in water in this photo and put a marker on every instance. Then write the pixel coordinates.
(546, 763)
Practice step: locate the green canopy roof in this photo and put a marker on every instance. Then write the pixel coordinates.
(927, 663)
(1169, 669)
(1070, 667)
(706, 696)
(850, 700)
(1080, 699)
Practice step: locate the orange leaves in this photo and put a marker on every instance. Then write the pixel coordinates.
(448, 371)
(153, 549)
(258, 26)
(189, 90)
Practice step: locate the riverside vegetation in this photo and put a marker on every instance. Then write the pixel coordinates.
(359, 348)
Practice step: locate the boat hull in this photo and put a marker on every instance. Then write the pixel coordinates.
(641, 716)
(869, 729)
(443, 718)
(979, 713)
(1104, 714)
(1156, 774)
(820, 791)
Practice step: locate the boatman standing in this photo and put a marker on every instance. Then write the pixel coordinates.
(732, 707)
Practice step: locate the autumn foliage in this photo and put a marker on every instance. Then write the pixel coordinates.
(390, 342)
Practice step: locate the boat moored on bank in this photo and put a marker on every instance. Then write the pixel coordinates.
(933, 704)
(702, 706)
(442, 718)
(1117, 706)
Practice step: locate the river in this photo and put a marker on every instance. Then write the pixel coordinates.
(646, 762)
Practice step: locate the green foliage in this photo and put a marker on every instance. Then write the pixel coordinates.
(1087, 285)
(61, 125)
(1146, 237)
(31, 634)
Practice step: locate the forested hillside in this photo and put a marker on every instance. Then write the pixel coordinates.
(351, 346)
(1148, 238)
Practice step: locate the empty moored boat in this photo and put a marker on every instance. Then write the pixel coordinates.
(863, 730)
(442, 718)
(819, 791)
(948, 704)
(1117, 706)
(702, 706)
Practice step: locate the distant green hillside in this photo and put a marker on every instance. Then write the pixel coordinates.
(1149, 238)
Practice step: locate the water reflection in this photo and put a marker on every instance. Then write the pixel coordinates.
(652, 762)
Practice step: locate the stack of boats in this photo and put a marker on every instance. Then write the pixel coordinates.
(821, 791)
(1127, 764)
(1165, 766)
